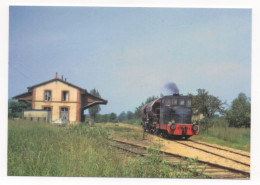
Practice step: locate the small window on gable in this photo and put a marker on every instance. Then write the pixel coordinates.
(65, 96)
(47, 96)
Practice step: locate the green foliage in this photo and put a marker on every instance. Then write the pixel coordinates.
(206, 104)
(102, 118)
(134, 121)
(238, 138)
(219, 121)
(112, 117)
(124, 132)
(239, 114)
(81, 151)
(129, 115)
(122, 116)
(46, 150)
(88, 120)
(216, 121)
(15, 108)
(95, 109)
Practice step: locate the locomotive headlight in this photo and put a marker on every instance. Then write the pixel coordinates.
(173, 127)
(194, 128)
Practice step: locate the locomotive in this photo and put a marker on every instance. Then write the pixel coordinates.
(169, 116)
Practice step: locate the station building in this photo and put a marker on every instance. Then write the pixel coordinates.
(63, 100)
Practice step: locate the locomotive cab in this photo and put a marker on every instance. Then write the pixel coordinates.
(169, 116)
(176, 109)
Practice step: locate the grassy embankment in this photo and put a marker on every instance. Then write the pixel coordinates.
(38, 149)
(238, 138)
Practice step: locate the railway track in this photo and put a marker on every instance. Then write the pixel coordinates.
(188, 143)
(213, 171)
(219, 148)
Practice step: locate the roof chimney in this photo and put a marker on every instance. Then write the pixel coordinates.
(56, 75)
(65, 79)
(62, 77)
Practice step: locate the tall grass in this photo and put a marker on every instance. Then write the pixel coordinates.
(234, 137)
(38, 149)
(46, 150)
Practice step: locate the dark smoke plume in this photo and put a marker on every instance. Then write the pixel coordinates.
(172, 87)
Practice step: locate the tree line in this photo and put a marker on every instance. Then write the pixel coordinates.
(210, 106)
(237, 115)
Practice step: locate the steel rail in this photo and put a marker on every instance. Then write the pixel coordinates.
(212, 153)
(233, 170)
(219, 148)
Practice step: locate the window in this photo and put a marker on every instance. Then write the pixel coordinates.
(64, 109)
(47, 108)
(189, 103)
(167, 102)
(47, 96)
(181, 102)
(174, 101)
(65, 96)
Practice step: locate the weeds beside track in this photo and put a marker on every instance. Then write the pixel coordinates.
(197, 168)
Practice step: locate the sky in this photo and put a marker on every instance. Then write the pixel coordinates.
(129, 54)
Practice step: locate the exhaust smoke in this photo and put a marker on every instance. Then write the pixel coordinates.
(172, 88)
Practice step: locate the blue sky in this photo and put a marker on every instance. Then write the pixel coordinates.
(129, 54)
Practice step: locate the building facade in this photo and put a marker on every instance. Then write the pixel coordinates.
(65, 101)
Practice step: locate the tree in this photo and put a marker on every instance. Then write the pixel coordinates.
(16, 108)
(106, 118)
(129, 115)
(239, 114)
(122, 116)
(112, 117)
(95, 109)
(207, 104)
